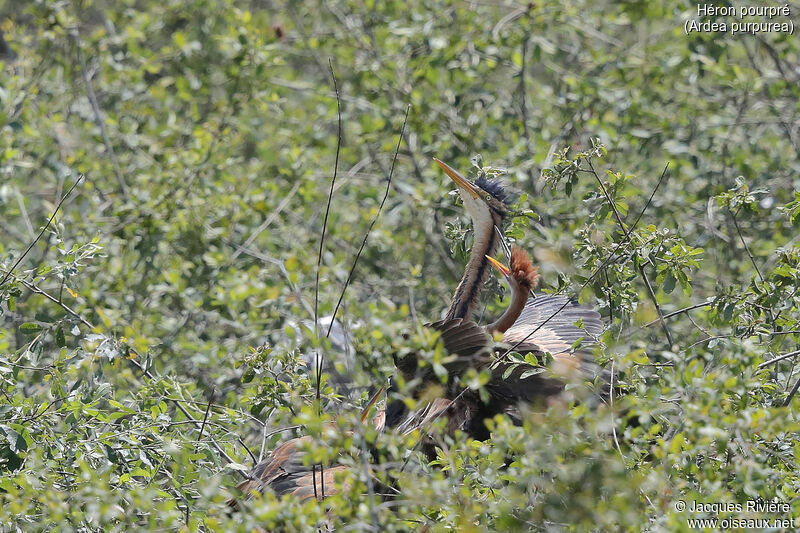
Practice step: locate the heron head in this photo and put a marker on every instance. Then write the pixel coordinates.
(522, 274)
(482, 197)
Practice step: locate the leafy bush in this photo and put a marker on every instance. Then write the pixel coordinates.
(158, 339)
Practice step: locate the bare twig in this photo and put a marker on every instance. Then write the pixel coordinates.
(318, 360)
(35, 289)
(610, 200)
(652, 195)
(753, 261)
(792, 393)
(47, 225)
(678, 312)
(371, 225)
(778, 359)
(205, 416)
(652, 295)
(746, 248)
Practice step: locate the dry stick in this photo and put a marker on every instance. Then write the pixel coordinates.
(777, 359)
(205, 416)
(746, 248)
(372, 224)
(652, 295)
(678, 312)
(317, 358)
(363, 244)
(752, 260)
(370, 489)
(792, 393)
(47, 225)
(98, 117)
(640, 268)
(34, 289)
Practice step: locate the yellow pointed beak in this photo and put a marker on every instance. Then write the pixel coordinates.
(371, 403)
(504, 270)
(460, 181)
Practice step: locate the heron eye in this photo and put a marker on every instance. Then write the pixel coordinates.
(488, 197)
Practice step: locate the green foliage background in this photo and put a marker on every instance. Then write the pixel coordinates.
(182, 267)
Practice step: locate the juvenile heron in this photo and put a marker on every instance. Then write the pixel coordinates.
(284, 471)
(487, 203)
(547, 325)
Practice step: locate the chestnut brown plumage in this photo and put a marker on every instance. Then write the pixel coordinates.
(548, 324)
(284, 472)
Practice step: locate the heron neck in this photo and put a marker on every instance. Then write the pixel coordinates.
(477, 267)
(518, 299)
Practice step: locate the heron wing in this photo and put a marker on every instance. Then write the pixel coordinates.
(281, 465)
(553, 324)
(421, 418)
(302, 485)
(463, 338)
(549, 324)
(283, 472)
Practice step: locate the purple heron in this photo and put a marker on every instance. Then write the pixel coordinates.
(284, 471)
(547, 324)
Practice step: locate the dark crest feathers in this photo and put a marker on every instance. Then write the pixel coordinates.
(495, 188)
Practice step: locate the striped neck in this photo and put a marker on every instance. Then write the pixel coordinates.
(477, 270)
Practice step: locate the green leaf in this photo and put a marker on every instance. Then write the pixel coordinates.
(59, 337)
(30, 328)
(669, 283)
